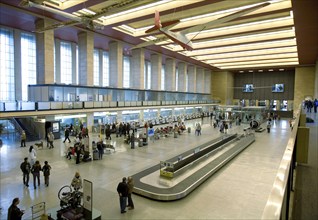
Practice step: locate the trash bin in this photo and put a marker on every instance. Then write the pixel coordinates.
(189, 130)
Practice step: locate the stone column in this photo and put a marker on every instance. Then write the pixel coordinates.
(17, 65)
(277, 105)
(86, 58)
(200, 80)
(57, 60)
(182, 72)
(170, 78)
(119, 116)
(137, 69)
(192, 77)
(45, 53)
(222, 87)
(115, 64)
(207, 81)
(141, 115)
(156, 66)
(90, 121)
(316, 81)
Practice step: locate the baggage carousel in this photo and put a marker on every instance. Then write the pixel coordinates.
(176, 177)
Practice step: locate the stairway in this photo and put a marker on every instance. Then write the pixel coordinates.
(29, 128)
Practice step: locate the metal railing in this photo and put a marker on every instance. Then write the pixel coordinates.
(42, 106)
(277, 205)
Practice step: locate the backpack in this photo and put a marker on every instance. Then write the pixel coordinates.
(25, 167)
(46, 170)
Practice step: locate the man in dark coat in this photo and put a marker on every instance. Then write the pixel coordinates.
(122, 190)
(14, 213)
(25, 168)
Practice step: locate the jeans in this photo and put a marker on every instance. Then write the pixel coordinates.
(26, 177)
(123, 203)
(130, 201)
(36, 176)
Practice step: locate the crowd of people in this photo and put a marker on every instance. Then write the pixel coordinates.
(33, 166)
(310, 104)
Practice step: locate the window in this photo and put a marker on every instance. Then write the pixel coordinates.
(105, 68)
(7, 86)
(126, 72)
(163, 73)
(66, 62)
(96, 67)
(28, 63)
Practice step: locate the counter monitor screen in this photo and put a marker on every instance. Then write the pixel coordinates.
(278, 88)
(248, 88)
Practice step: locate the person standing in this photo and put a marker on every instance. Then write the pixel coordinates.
(14, 213)
(32, 155)
(132, 140)
(100, 149)
(269, 126)
(67, 135)
(51, 139)
(36, 168)
(26, 168)
(23, 139)
(122, 190)
(46, 172)
(130, 184)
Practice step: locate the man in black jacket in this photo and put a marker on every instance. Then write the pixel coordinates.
(122, 190)
(26, 168)
(14, 213)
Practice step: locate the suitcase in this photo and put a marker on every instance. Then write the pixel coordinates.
(95, 155)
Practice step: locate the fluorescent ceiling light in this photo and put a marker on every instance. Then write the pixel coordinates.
(248, 38)
(136, 9)
(69, 116)
(248, 53)
(88, 11)
(293, 59)
(250, 58)
(245, 47)
(261, 65)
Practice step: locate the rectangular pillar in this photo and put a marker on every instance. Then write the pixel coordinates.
(170, 78)
(115, 64)
(17, 65)
(182, 74)
(86, 58)
(45, 53)
(101, 78)
(57, 44)
(192, 77)
(156, 66)
(137, 69)
(200, 80)
(207, 81)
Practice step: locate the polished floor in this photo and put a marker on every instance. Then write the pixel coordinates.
(238, 191)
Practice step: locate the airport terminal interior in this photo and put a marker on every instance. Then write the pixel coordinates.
(210, 106)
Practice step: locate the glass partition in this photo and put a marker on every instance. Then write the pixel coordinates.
(71, 93)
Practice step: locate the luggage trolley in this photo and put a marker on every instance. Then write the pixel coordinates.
(38, 210)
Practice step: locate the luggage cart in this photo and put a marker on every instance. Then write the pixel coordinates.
(38, 210)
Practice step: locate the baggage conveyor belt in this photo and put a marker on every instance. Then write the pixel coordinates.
(150, 184)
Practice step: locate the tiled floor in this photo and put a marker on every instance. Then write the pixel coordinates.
(238, 191)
